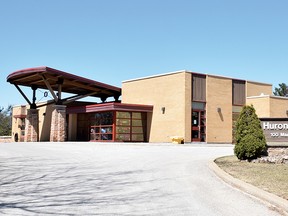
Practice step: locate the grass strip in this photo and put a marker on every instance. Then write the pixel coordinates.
(269, 177)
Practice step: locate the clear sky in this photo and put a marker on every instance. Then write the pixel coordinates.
(115, 40)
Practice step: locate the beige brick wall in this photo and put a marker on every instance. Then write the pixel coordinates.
(261, 105)
(172, 91)
(45, 115)
(256, 89)
(269, 106)
(218, 124)
(279, 107)
(72, 127)
(16, 122)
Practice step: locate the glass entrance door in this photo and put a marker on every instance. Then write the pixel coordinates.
(195, 126)
(198, 126)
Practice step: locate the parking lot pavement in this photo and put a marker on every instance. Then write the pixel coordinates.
(117, 179)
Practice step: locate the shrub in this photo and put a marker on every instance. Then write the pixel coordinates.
(250, 140)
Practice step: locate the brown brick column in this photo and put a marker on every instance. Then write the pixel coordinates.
(31, 126)
(58, 124)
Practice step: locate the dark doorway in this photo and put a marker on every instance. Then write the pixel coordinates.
(198, 126)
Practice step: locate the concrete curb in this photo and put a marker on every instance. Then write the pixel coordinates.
(278, 203)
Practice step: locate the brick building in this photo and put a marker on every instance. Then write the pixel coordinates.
(198, 107)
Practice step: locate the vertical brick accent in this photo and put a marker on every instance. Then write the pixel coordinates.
(58, 124)
(32, 126)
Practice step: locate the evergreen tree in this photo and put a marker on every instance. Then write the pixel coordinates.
(5, 121)
(282, 90)
(250, 140)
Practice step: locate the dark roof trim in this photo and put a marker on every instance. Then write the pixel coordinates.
(56, 80)
(113, 106)
(22, 73)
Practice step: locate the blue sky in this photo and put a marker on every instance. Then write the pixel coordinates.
(112, 40)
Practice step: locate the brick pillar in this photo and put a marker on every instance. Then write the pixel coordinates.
(58, 124)
(31, 126)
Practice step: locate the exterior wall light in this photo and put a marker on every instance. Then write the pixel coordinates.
(163, 110)
(218, 109)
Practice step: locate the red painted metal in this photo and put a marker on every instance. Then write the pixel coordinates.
(20, 116)
(22, 77)
(112, 106)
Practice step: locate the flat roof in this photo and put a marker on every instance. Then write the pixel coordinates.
(187, 71)
(154, 76)
(39, 76)
(268, 96)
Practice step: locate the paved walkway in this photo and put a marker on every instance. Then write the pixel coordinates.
(117, 179)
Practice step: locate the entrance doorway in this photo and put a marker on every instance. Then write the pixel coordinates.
(198, 126)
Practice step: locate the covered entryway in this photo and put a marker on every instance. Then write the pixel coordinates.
(56, 82)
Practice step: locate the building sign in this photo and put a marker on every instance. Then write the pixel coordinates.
(275, 129)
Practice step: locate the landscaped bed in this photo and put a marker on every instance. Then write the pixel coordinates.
(269, 177)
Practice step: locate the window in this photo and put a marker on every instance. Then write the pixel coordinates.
(198, 87)
(119, 126)
(123, 126)
(239, 93)
(130, 126)
(101, 128)
(198, 105)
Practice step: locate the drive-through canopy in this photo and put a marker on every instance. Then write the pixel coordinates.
(59, 81)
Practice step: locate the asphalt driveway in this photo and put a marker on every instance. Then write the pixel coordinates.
(117, 179)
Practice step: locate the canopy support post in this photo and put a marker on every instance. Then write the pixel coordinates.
(23, 95)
